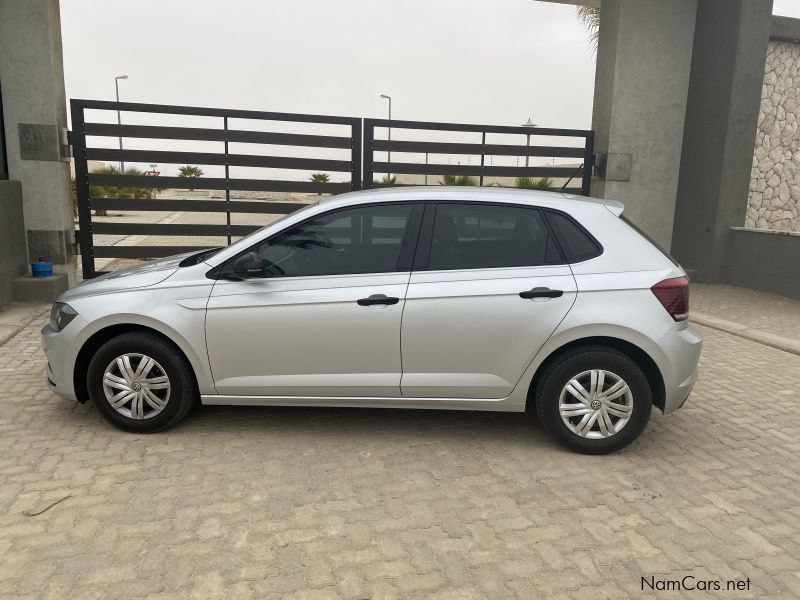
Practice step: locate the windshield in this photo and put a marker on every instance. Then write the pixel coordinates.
(204, 254)
(301, 207)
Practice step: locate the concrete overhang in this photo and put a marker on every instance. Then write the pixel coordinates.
(592, 3)
(785, 29)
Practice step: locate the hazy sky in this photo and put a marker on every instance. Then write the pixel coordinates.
(787, 8)
(452, 60)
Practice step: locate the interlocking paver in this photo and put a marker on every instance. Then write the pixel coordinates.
(335, 503)
(757, 310)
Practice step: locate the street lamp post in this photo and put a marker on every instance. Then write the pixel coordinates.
(530, 125)
(119, 120)
(389, 155)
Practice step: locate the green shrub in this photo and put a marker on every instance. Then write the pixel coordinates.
(458, 180)
(385, 181)
(107, 191)
(531, 183)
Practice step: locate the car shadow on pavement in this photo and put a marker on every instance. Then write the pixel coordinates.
(409, 425)
(370, 426)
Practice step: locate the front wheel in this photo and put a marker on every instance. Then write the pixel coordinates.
(141, 382)
(595, 400)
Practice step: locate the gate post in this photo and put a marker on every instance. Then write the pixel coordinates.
(356, 155)
(369, 141)
(78, 139)
(588, 164)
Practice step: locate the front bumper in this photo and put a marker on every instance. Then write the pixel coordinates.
(58, 348)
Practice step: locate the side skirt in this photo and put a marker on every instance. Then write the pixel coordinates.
(502, 405)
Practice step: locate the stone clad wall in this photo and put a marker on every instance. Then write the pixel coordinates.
(774, 198)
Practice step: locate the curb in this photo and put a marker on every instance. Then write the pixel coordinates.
(755, 335)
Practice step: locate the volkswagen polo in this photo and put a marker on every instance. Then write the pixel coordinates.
(441, 298)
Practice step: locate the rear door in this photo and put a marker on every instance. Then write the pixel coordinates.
(489, 286)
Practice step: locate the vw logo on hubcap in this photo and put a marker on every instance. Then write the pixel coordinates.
(595, 404)
(136, 386)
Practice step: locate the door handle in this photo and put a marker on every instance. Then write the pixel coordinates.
(377, 299)
(541, 292)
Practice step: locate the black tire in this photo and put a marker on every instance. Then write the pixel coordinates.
(558, 374)
(183, 387)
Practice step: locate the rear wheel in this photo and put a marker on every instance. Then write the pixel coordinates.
(141, 382)
(594, 400)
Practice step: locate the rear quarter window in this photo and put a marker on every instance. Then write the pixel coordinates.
(577, 243)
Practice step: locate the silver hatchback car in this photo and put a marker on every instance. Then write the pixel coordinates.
(438, 297)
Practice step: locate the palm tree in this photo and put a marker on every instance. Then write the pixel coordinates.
(544, 183)
(590, 17)
(190, 171)
(320, 178)
(457, 180)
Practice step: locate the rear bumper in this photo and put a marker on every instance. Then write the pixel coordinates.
(682, 347)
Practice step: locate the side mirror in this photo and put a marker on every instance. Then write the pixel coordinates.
(248, 265)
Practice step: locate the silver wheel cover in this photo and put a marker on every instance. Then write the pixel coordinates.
(596, 404)
(136, 386)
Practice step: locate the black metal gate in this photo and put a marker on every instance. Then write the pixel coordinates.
(104, 128)
(223, 160)
(582, 151)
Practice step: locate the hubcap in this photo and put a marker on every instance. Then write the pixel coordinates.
(136, 386)
(596, 404)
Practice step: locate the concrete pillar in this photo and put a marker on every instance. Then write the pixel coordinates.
(642, 79)
(730, 49)
(34, 112)
(13, 257)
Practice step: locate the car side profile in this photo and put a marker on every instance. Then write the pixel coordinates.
(420, 297)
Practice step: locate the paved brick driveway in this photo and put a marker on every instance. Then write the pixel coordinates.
(299, 503)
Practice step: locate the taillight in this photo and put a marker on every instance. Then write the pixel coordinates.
(674, 296)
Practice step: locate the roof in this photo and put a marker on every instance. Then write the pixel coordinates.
(469, 193)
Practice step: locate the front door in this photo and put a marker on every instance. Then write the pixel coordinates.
(324, 320)
(492, 290)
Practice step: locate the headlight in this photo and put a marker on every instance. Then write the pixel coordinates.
(60, 315)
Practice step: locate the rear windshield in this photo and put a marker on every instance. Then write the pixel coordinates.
(651, 240)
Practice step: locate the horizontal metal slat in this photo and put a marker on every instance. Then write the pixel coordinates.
(475, 170)
(486, 149)
(210, 112)
(289, 139)
(215, 135)
(432, 126)
(217, 183)
(143, 251)
(171, 229)
(217, 158)
(154, 132)
(192, 205)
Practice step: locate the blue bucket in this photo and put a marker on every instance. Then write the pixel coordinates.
(42, 268)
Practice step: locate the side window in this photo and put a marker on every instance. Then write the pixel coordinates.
(577, 244)
(482, 236)
(364, 239)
